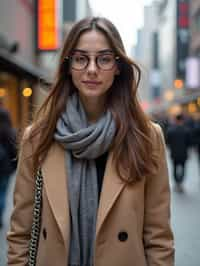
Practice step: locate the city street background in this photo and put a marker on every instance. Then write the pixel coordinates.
(161, 36)
(185, 216)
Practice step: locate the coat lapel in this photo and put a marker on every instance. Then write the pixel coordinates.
(55, 183)
(112, 187)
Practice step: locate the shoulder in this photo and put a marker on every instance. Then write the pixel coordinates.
(28, 140)
(155, 127)
(31, 134)
(156, 130)
(32, 138)
(27, 132)
(157, 136)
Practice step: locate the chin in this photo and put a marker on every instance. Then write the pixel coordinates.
(93, 93)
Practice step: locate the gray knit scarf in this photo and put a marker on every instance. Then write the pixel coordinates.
(83, 143)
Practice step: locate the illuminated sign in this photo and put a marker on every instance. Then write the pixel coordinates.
(47, 25)
(192, 73)
(182, 37)
(183, 12)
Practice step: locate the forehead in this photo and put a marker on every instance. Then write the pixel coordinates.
(92, 41)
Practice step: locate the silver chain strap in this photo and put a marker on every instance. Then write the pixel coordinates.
(35, 231)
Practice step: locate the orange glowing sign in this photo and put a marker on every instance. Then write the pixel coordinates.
(47, 25)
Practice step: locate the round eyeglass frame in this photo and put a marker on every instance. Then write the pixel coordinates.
(68, 58)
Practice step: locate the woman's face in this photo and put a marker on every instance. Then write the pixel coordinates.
(93, 65)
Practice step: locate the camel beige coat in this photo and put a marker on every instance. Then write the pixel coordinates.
(133, 227)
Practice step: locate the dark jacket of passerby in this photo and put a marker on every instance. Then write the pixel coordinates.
(196, 135)
(7, 157)
(8, 151)
(178, 140)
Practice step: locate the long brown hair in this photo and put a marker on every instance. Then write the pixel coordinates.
(132, 146)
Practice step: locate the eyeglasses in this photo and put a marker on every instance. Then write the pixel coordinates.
(103, 61)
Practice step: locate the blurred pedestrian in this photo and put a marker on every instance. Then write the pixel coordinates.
(196, 137)
(103, 172)
(162, 120)
(178, 140)
(7, 156)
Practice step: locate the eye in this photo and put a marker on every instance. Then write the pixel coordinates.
(105, 59)
(80, 59)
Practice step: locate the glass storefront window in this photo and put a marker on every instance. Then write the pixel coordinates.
(8, 95)
(12, 98)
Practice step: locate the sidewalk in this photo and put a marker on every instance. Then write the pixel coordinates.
(186, 216)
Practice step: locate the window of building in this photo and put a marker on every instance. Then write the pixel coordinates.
(197, 21)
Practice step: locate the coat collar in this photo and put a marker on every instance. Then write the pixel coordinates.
(55, 182)
(112, 187)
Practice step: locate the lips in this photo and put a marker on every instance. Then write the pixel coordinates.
(91, 82)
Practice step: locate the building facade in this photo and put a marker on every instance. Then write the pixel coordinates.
(167, 42)
(145, 54)
(19, 73)
(195, 27)
(68, 12)
(74, 10)
(26, 65)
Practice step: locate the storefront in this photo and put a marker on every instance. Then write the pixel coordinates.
(187, 104)
(18, 88)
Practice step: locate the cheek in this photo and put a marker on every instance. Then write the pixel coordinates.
(108, 81)
(76, 78)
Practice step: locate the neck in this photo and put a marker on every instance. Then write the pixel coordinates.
(94, 107)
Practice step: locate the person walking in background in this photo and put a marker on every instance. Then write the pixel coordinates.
(8, 154)
(196, 137)
(178, 140)
(99, 162)
(163, 121)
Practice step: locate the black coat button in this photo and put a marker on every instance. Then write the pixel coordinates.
(122, 236)
(44, 232)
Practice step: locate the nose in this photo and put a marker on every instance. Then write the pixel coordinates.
(92, 67)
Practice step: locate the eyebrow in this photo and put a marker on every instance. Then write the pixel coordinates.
(98, 52)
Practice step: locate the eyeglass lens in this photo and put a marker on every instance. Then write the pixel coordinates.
(103, 61)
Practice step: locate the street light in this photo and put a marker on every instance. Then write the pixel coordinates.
(2, 92)
(178, 83)
(192, 108)
(27, 92)
(198, 101)
(169, 95)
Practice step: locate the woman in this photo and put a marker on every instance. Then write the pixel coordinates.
(8, 155)
(105, 198)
